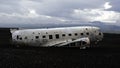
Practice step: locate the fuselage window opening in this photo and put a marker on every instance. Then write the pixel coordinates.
(20, 38)
(76, 34)
(100, 34)
(57, 36)
(63, 35)
(25, 37)
(36, 37)
(50, 37)
(87, 33)
(69, 34)
(95, 31)
(44, 36)
(81, 33)
(17, 36)
(33, 33)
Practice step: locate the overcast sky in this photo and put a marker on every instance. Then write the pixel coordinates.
(13, 12)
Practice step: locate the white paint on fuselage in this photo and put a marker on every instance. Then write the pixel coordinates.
(35, 37)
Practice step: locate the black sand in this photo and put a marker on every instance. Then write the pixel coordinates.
(105, 56)
(59, 58)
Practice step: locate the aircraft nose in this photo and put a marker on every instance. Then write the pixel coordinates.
(14, 34)
(100, 36)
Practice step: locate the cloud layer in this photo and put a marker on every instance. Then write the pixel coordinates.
(102, 14)
(35, 12)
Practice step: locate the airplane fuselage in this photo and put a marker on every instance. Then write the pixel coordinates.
(56, 36)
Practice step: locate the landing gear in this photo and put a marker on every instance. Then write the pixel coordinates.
(94, 44)
(83, 45)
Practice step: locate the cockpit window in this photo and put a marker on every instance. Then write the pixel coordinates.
(20, 38)
(100, 34)
(95, 31)
(17, 37)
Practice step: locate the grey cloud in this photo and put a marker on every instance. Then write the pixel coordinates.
(55, 8)
(65, 7)
(48, 7)
(115, 5)
(9, 6)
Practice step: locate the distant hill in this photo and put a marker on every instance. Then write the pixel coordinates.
(105, 27)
